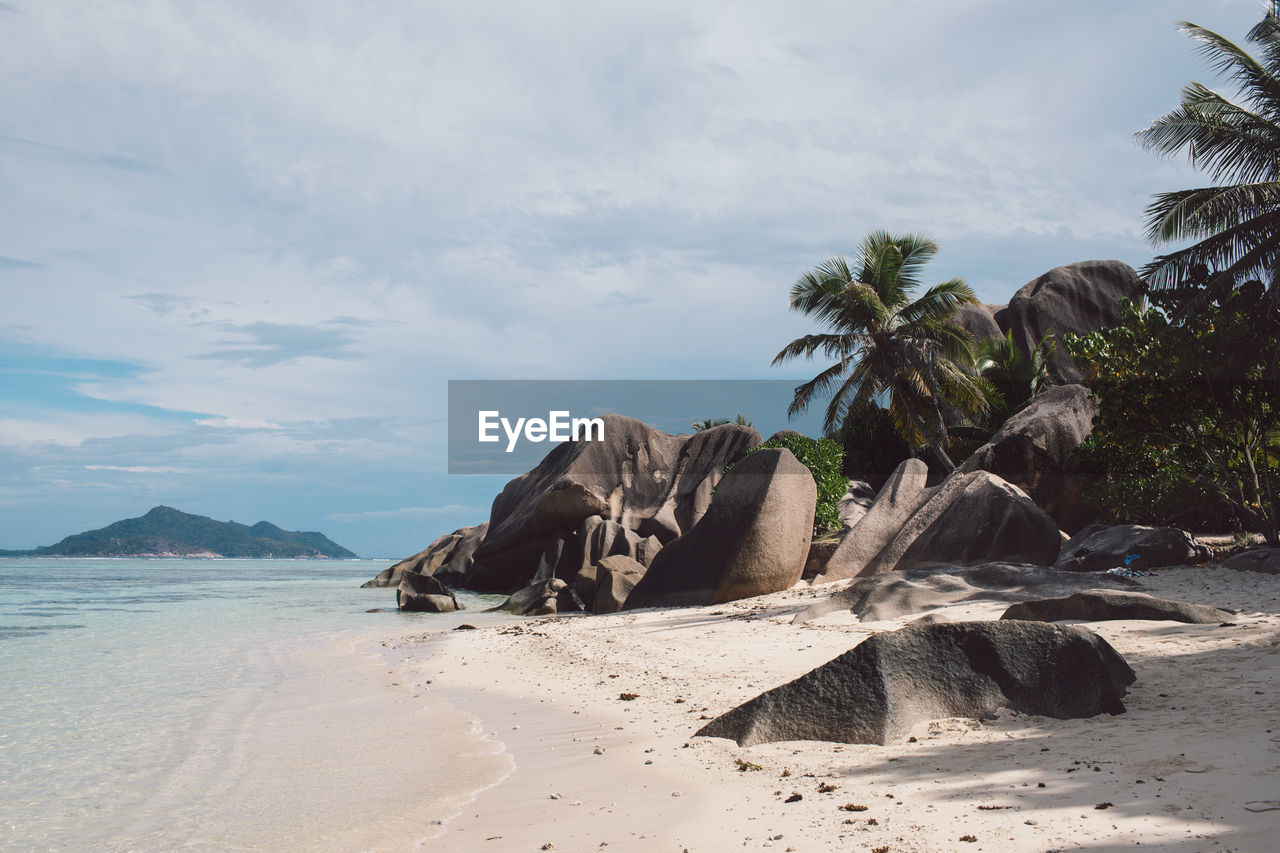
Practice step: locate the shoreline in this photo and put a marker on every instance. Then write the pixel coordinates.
(1175, 771)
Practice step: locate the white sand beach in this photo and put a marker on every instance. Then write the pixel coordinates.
(1194, 764)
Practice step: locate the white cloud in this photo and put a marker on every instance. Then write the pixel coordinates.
(294, 214)
(138, 469)
(407, 512)
(236, 423)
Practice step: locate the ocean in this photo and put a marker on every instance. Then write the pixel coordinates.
(204, 704)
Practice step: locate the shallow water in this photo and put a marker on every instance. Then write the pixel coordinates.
(219, 704)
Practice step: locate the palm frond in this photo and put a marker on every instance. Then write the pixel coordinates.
(1234, 62)
(819, 384)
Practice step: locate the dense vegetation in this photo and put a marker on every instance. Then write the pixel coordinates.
(1188, 429)
(165, 530)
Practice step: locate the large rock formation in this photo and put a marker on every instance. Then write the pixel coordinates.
(424, 593)
(1076, 298)
(455, 548)
(877, 691)
(1102, 605)
(971, 519)
(1099, 547)
(647, 481)
(901, 496)
(889, 596)
(753, 539)
(1038, 450)
(1264, 560)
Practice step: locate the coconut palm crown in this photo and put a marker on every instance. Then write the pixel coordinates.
(1237, 142)
(885, 343)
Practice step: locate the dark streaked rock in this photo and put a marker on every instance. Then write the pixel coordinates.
(1100, 605)
(426, 594)
(1099, 547)
(1077, 298)
(1264, 560)
(651, 483)
(895, 594)
(877, 691)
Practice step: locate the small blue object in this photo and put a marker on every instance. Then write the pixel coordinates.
(1131, 557)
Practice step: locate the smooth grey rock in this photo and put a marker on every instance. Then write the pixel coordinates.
(901, 496)
(541, 598)
(889, 596)
(651, 483)
(753, 540)
(616, 577)
(978, 320)
(1099, 547)
(971, 519)
(425, 593)
(877, 691)
(1038, 450)
(1077, 298)
(1264, 560)
(1101, 605)
(855, 504)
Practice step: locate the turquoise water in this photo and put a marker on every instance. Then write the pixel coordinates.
(132, 689)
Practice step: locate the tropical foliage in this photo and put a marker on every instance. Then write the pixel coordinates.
(887, 345)
(1236, 140)
(1189, 410)
(699, 426)
(1014, 376)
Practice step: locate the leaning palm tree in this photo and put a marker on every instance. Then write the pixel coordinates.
(885, 343)
(1237, 141)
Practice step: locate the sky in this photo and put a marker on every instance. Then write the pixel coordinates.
(245, 245)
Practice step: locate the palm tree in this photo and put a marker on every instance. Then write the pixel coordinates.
(1237, 222)
(699, 426)
(885, 343)
(1015, 377)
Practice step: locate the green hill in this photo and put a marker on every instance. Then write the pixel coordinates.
(165, 531)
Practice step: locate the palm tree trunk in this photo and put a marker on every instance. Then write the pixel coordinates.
(932, 446)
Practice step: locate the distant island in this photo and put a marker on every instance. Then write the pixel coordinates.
(167, 532)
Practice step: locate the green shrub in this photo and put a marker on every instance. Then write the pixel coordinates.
(825, 460)
(1142, 483)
